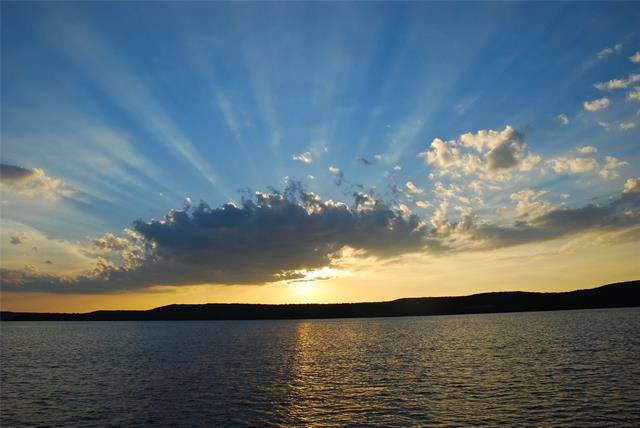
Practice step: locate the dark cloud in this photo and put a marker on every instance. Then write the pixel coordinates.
(270, 237)
(507, 153)
(12, 173)
(279, 235)
(32, 182)
(339, 180)
(618, 214)
(16, 240)
(365, 161)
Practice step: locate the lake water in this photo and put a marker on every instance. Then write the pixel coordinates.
(578, 368)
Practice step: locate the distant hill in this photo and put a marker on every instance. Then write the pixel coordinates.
(623, 294)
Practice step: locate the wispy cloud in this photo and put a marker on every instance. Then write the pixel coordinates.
(620, 83)
(595, 105)
(606, 52)
(562, 119)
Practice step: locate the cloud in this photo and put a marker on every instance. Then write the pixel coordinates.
(619, 214)
(578, 165)
(632, 185)
(612, 164)
(367, 162)
(23, 245)
(596, 105)
(587, 150)
(634, 95)
(32, 182)
(506, 148)
(303, 157)
(486, 152)
(625, 126)
(618, 83)
(270, 237)
(562, 119)
(530, 204)
(635, 57)
(609, 51)
(413, 189)
(17, 240)
(442, 154)
(283, 236)
(338, 173)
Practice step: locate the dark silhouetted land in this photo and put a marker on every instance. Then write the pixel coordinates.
(619, 295)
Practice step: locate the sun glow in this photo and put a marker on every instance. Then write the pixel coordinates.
(308, 285)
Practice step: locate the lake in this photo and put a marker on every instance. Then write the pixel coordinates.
(575, 368)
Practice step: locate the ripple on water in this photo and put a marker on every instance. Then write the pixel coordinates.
(571, 367)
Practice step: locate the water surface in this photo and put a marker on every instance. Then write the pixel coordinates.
(575, 368)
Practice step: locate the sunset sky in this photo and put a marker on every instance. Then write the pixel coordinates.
(315, 152)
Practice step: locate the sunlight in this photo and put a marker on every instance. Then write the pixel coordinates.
(308, 285)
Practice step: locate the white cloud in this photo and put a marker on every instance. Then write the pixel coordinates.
(625, 126)
(32, 182)
(397, 167)
(443, 154)
(529, 203)
(404, 210)
(604, 125)
(529, 162)
(634, 95)
(423, 204)
(635, 57)
(588, 150)
(632, 185)
(439, 218)
(609, 51)
(618, 83)
(311, 177)
(334, 170)
(303, 157)
(612, 164)
(487, 152)
(596, 105)
(562, 119)
(413, 188)
(564, 164)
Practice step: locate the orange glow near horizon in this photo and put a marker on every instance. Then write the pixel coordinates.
(499, 270)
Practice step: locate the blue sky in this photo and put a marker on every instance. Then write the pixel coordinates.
(136, 107)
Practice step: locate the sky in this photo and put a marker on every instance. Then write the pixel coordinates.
(158, 153)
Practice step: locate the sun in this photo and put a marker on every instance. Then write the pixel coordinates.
(310, 283)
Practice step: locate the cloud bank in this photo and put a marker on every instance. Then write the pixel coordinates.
(281, 236)
(271, 237)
